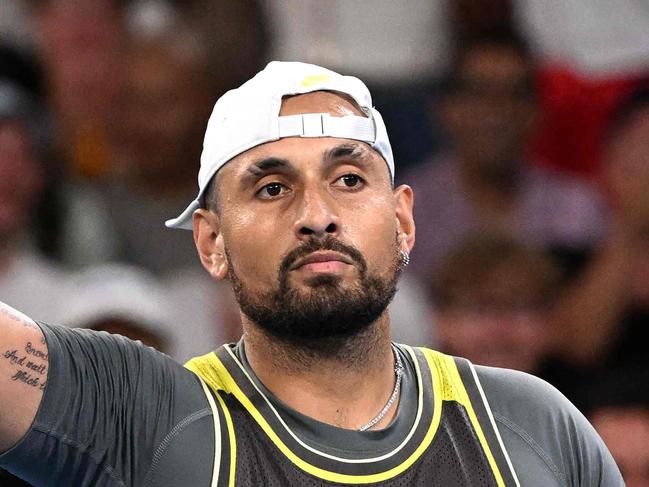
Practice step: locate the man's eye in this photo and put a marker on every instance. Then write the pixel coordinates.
(271, 190)
(351, 180)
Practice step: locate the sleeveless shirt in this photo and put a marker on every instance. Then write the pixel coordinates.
(453, 440)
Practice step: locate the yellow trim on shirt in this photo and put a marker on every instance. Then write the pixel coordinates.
(203, 367)
(218, 376)
(454, 390)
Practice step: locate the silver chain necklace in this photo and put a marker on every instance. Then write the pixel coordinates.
(398, 372)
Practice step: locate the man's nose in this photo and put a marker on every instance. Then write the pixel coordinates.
(317, 215)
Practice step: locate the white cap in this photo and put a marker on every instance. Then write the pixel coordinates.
(249, 116)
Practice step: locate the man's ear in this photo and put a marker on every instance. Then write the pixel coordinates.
(209, 243)
(403, 199)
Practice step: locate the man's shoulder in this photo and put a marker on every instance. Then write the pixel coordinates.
(544, 433)
(512, 389)
(548, 440)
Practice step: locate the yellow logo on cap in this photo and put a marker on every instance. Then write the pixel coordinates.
(314, 79)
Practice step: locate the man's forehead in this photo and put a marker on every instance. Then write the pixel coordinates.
(336, 104)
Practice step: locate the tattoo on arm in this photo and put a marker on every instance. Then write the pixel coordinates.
(29, 365)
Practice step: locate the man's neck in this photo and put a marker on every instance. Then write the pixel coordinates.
(345, 389)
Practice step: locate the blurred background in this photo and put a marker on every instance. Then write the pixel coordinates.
(522, 125)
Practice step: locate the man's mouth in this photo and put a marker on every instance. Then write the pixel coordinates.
(322, 261)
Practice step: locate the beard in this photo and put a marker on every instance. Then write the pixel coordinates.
(327, 316)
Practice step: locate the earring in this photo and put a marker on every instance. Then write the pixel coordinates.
(405, 258)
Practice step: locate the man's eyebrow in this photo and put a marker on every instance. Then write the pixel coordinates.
(266, 165)
(346, 151)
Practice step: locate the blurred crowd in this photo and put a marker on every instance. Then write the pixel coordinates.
(522, 125)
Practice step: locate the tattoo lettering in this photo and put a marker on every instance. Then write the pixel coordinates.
(34, 352)
(30, 366)
(14, 359)
(26, 378)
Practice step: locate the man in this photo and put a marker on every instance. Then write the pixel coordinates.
(296, 207)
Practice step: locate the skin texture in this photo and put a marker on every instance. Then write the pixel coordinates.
(264, 216)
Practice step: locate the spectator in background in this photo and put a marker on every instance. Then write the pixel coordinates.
(492, 297)
(603, 319)
(485, 181)
(27, 279)
(80, 43)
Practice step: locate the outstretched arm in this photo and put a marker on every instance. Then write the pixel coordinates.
(23, 374)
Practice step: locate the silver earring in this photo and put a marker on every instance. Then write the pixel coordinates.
(405, 258)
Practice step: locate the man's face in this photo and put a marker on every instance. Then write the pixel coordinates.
(626, 433)
(312, 230)
(490, 115)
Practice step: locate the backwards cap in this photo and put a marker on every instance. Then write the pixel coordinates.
(249, 116)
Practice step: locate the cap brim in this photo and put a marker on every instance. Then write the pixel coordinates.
(184, 220)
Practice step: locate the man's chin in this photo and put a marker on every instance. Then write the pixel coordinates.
(323, 281)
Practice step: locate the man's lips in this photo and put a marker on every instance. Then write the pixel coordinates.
(323, 260)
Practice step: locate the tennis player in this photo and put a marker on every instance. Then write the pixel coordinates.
(297, 208)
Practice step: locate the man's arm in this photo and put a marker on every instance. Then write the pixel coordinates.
(23, 374)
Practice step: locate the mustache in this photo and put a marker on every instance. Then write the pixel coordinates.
(314, 245)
